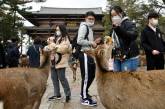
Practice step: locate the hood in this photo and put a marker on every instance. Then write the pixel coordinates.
(125, 18)
(83, 23)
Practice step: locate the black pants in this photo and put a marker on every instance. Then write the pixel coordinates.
(155, 62)
(87, 67)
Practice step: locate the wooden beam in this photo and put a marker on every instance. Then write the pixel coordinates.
(55, 18)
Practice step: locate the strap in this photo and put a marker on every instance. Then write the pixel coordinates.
(59, 58)
(87, 33)
(115, 39)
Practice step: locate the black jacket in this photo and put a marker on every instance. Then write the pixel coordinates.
(13, 55)
(2, 57)
(127, 34)
(34, 55)
(151, 40)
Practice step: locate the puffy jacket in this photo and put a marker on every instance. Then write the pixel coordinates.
(127, 34)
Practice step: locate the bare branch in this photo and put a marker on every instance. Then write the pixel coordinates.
(159, 6)
(163, 1)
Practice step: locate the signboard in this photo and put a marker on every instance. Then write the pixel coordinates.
(71, 24)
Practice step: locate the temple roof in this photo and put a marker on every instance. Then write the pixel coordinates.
(70, 11)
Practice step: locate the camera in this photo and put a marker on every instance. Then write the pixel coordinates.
(118, 53)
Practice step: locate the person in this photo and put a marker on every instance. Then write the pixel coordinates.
(58, 67)
(124, 34)
(33, 53)
(153, 44)
(87, 63)
(13, 53)
(2, 55)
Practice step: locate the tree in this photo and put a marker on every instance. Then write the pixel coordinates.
(11, 22)
(106, 22)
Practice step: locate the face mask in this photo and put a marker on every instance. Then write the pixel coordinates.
(90, 23)
(154, 22)
(58, 33)
(116, 20)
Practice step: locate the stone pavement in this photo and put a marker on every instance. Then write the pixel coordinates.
(75, 98)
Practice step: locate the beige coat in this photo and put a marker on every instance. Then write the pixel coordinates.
(65, 49)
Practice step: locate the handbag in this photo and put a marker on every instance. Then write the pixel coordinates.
(55, 59)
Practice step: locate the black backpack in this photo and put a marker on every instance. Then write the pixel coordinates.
(76, 47)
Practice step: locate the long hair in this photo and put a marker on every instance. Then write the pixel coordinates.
(64, 33)
(118, 10)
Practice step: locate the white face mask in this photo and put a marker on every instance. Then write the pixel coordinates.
(90, 23)
(154, 22)
(58, 33)
(116, 20)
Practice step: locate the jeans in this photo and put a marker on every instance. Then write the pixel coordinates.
(126, 65)
(59, 75)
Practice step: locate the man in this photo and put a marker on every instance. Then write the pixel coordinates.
(13, 53)
(153, 44)
(87, 64)
(34, 53)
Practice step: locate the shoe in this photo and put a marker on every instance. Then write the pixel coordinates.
(55, 97)
(88, 102)
(67, 99)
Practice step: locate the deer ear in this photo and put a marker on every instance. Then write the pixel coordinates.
(109, 41)
(91, 52)
(101, 53)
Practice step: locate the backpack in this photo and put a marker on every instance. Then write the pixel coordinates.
(75, 46)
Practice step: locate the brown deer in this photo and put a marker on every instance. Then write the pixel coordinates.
(24, 61)
(128, 90)
(23, 88)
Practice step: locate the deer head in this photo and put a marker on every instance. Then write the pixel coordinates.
(103, 54)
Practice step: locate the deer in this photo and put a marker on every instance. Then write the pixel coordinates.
(23, 88)
(127, 90)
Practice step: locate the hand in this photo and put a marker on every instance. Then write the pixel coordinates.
(115, 25)
(94, 45)
(155, 52)
(98, 40)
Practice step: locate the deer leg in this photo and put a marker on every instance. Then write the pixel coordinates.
(74, 71)
(10, 104)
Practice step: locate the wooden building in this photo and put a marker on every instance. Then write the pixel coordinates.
(47, 18)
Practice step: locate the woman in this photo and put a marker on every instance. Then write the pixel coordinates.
(62, 49)
(124, 35)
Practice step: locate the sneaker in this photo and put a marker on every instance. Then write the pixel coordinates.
(67, 99)
(55, 97)
(88, 102)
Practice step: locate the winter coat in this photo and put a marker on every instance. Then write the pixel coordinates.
(127, 34)
(151, 40)
(64, 49)
(34, 55)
